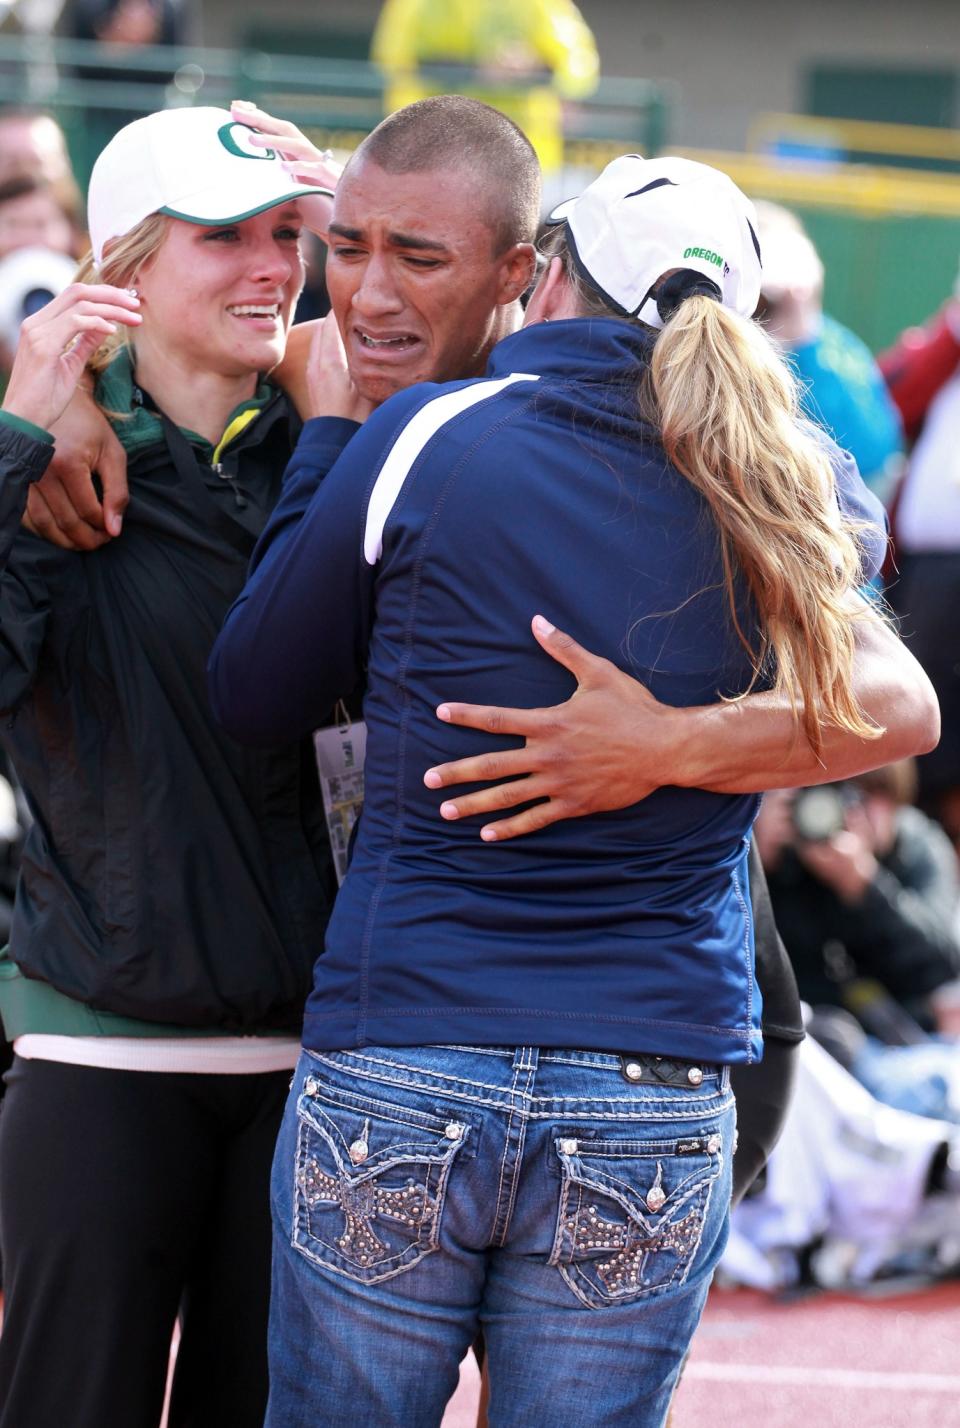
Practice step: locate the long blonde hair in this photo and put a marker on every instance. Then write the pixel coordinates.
(727, 411)
(120, 266)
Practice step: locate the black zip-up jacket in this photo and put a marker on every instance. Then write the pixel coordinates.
(171, 874)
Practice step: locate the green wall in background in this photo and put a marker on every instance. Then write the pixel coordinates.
(883, 273)
(891, 94)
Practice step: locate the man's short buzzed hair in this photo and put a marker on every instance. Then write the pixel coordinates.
(450, 131)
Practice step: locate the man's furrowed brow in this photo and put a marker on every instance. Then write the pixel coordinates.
(410, 240)
(396, 240)
(353, 235)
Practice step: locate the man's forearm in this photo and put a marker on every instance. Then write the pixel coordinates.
(612, 743)
(756, 743)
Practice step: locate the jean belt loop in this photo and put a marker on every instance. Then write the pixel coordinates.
(526, 1058)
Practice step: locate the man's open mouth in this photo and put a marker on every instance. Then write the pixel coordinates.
(396, 342)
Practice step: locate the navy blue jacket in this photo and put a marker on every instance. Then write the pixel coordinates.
(450, 518)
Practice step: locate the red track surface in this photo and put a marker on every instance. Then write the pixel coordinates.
(822, 1362)
(825, 1362)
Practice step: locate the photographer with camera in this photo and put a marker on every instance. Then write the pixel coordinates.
(864, 890)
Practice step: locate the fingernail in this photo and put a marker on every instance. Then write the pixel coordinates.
(432, 779)
(449, 810)
(242, 104)
(443, 712)
(114, 524)
(489, 835)
(542, 626)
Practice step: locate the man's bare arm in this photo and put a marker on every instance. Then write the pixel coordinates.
(613, 743)
(64, 506)
(756, 747)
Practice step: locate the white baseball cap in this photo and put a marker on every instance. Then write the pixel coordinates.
(644, 217)
(195, 164)
(29, 278)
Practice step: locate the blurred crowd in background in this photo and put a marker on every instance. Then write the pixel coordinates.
(864, 875)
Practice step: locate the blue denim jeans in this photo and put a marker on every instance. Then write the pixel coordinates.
(548, 1198)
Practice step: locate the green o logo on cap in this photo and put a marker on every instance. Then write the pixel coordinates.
(226, 137)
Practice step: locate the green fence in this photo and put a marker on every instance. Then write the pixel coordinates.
(884, 274)
(93, 90)
(889, 238)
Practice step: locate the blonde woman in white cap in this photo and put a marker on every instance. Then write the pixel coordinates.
(513, 1111)
(172, 882)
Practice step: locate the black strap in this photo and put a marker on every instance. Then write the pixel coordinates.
(682, 284)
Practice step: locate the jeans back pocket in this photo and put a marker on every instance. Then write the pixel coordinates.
(370, 1181)
(632, 1213)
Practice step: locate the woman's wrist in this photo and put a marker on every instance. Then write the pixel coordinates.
(25, 425)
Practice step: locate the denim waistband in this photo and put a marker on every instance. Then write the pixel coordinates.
(542, 1081)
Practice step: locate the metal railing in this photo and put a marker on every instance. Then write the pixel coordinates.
(856, 141)
(93, 89)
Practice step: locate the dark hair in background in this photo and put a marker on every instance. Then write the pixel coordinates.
(450, 131)
(21, 185)
(14, 162)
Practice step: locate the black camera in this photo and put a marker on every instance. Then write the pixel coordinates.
(818, 814)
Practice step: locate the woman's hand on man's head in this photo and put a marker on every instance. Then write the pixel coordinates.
(302, 159)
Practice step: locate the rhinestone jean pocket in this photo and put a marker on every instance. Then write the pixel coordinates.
(631, 1214)
(369, 1184)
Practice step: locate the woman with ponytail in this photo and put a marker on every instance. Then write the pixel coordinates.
(513, 1110)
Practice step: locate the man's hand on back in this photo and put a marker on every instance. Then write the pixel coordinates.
(602, 749)
(612, 743)
(64, 507)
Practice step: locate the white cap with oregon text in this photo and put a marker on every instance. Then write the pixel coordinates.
(643, 218)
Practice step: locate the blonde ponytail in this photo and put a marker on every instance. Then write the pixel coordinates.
(725, 404)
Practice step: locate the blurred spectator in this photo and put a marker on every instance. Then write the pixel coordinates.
(33, 146)
(923, 1078)
(29, 278)
(128, 23)
(923, 373)
(921, 362)
(864, 891)
(123, 27)
(842, 387)
(32, 142)
(32, 216)
(523, 58)
(854, 1191)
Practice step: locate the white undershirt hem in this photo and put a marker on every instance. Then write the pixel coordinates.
(200, 1055)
